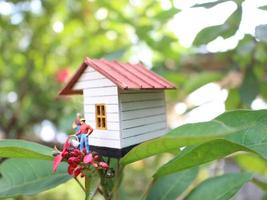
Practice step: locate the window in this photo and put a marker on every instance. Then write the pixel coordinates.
(100, 113)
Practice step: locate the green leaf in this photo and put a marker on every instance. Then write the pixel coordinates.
(261, 184)
(208, 34)
(251, 138)
(232, 23)
(253, 129)
(170, 187)
(256, 164)
(181, 136)
(225, 30)
(249, 88)
(28, 177)
(263, 7)
(165, 15)
(220, 187)
(209, 5)
(201, 79)
(199, 154)
(246, 129)
(24, 149)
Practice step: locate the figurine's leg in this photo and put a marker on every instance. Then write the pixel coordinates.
(79, 139)
(87, 144)
(82, 142)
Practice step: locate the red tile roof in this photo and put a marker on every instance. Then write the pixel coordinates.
(124, 75)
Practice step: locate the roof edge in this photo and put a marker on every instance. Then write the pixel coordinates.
(67, 90)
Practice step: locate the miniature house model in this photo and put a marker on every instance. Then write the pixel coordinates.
(124, 103)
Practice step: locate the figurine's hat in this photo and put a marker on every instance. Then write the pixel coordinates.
(82, 120)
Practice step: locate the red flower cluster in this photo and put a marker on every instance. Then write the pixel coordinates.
(78, 161)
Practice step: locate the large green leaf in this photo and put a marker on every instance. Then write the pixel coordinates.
(184, 135)
(252, 139)
(24, 149)
(247, 129)
(199, 154)
(253, 133)
(256, 164)
(225, 30)
(27, 176)
(171, 186)
(220, 187)
(263, 7)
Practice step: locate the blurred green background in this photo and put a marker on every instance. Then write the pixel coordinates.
(214, 51)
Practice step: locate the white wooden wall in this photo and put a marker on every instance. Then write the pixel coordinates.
(142, 115)
(97, 89)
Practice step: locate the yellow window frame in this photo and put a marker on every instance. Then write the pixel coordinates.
(100, 116)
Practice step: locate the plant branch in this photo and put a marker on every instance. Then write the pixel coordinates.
(80, 184)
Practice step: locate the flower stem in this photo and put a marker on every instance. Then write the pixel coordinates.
(80, 184)
(118, 180)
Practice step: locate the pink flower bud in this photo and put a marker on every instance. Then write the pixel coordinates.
(103, 165)
(97, 157)
(95, 165)
(88, 158)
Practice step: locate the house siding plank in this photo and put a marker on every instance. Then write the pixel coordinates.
(89, 92)
(104, 142)
(142, 96)
(89, 69)
(105, 134)
(101, 99)
(98, 83)
(141, 138)
(141, 105)
(91, 76)
(143, 129)
(135, 114)
(126, 124)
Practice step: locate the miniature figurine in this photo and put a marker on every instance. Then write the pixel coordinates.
(83, 133)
